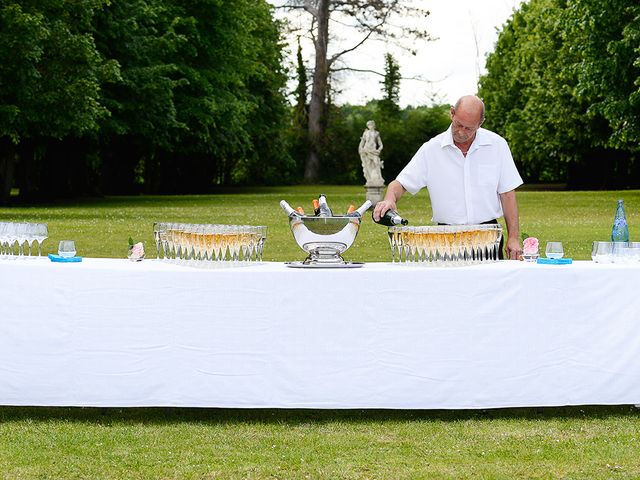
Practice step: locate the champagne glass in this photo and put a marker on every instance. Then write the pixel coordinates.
(30, 236)
(12, 237)
(40, 234)
(158, 230)
(201, 241)
(4, 238)
(209, 232)
(554, 250)
(391, 234)
(183, 241)
(261, 241)
(234, 242)
(20, 233)
(193, 242)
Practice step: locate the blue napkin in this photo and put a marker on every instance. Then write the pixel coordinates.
(555, 261)
(58, 258)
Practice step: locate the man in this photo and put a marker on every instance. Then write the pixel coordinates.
(469, 173)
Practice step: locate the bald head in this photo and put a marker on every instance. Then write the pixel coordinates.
(470, 106)
(466, 117)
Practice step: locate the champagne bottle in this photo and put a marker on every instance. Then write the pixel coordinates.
(316, 207)
(620, 229)
(300, 210)
(325, 211)
(288, 210)
(390, 219)
(360, 211)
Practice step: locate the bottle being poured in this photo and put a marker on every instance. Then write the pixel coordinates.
(391, 218)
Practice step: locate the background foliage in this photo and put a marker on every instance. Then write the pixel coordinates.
(139, 96)
(563, 86)
(153, 96)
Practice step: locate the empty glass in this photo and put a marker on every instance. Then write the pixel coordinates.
(40, 234)
(602, 252)
(67, 248)
(554, 250)
(20, 232)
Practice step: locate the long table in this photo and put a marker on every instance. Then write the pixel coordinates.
(109, 332)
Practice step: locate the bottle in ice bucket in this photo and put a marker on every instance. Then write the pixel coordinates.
(316, 207)
(620, 230)
(289, 211)
(391, 218)
(325, 211)
(358, 212)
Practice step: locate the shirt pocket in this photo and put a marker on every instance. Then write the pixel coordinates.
(487, 175)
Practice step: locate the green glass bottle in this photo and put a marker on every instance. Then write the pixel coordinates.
(620, 229)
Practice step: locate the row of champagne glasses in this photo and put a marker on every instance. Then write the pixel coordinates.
(208, 242)
(447, 245)
(23, 234)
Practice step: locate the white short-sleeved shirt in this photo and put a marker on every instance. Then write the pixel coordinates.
(463, 190)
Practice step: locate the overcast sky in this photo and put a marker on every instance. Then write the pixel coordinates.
(451, 63)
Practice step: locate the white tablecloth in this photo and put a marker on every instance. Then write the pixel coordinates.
(108, 332)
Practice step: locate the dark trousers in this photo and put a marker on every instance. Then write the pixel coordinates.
(492, 222)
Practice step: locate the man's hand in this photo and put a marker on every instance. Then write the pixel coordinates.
(513, 250)
(382, 207)
(395, 190)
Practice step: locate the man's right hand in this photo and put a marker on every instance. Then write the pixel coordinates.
(382, 207)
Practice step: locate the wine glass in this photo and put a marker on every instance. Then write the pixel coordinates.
(40, 234)
(602, 252)
(554, 250)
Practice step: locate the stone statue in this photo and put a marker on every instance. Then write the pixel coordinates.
(369, 149)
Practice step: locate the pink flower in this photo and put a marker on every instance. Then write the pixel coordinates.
(530, 246)
(136, 251)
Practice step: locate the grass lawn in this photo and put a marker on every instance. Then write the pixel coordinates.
(86, 443)
(102, 227)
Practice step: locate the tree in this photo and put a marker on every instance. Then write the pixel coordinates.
(562, 86)
(200, 99)
(298, 145)
(371, 19)
(391, 86)
(301, 89)
(140, 95)
(50, 76)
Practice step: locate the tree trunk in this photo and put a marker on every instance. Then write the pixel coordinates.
(317, 108)
(7, 169)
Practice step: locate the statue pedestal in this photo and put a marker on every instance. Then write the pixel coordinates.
(374, 193)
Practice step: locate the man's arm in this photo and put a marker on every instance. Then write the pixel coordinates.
(395, 190)
(510, 209)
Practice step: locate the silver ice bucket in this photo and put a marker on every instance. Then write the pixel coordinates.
(325, 239)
